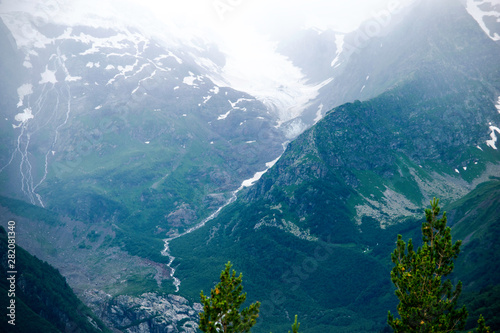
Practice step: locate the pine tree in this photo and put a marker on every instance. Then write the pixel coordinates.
(295, 326)
(427, 303)
(481, 326)
(221, 311)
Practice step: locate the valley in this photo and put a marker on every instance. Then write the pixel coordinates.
(137, 159)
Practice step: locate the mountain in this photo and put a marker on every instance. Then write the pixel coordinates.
(86, 99)
(132, 164)
(42, 298)
(113, 140)
(314, 234)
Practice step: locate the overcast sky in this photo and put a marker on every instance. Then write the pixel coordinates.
(245, 30)
(273, 17)
(226, 21)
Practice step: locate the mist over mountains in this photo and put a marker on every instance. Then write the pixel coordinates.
(138, 157)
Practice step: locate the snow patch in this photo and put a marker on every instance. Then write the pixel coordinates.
(233, 105)
(474, 9)
(249, 182)
(48, 76)
(189, 80)
(339, 42)
(224, 116)
(98, 107)
(124, 71)
(25, 116)
(206, 98)
(492, 142)
(216, 90)
(93, 64)
(23, 91)
(70, 78)
(318, 113)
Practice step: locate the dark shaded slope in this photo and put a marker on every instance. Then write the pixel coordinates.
(477, 222)
(44, 301)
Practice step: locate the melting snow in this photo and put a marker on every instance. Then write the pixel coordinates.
(70, 78)
(233, 105)
(124, 71)
(224, 116)
(473, 7)
(25, 116)
(492, 142)
(339, 42)
(256, 177)
(318, 113)
(179, 60)
(498, 104)
(23, 91)
(456, 170)
(48, 76)
(189, 80)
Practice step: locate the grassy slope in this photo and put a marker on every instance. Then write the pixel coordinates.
(316, 185)
(477, 218)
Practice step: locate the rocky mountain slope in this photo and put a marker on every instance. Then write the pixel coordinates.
(40, 296)
(113, 140)
(333, 204)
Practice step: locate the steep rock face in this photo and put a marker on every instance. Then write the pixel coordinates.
(148, 313)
